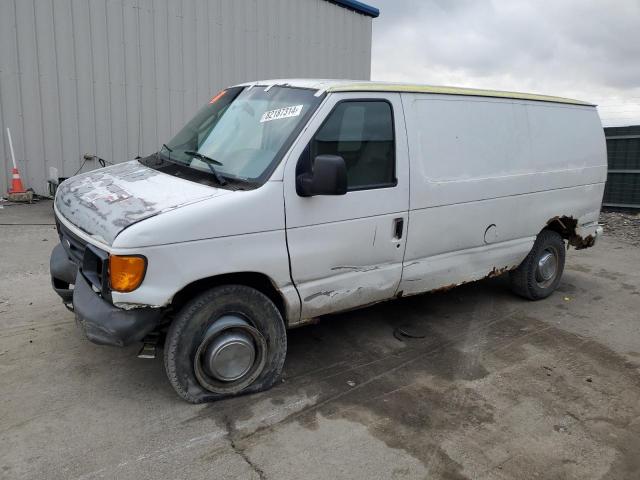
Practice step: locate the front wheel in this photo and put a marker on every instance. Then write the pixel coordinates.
(539, 274)
(227, 341)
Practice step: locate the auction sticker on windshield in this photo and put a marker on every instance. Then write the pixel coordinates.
(279, 113)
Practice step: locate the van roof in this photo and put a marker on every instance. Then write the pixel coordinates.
(368, 86)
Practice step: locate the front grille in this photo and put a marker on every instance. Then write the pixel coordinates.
(73, 245)
(92, 262)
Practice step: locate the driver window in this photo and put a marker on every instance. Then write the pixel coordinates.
(361, 132)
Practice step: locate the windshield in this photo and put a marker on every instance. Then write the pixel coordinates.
(242, 132)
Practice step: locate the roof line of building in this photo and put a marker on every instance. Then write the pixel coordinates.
(358, 7)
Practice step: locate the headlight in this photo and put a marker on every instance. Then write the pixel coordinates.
(126, 272)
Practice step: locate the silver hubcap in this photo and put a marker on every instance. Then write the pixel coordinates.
(547, 267)
(230, 356)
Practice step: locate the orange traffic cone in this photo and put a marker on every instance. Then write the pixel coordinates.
(17, 192)
(16, 182)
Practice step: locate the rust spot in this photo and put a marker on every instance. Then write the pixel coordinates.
(446, 288)
(566, 226)
(580, 243)
(496, 272)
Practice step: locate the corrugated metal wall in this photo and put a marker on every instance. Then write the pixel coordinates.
(623, 157)
(118, 78)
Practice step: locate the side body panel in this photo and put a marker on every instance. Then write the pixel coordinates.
(174, 266)
(487, 175)
(343, 250)
(241, 231)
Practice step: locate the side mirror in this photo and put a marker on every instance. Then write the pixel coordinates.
(328, 177)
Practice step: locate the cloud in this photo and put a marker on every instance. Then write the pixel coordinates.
(582, 49)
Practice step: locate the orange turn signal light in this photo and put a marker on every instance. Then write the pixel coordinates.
(126, 272)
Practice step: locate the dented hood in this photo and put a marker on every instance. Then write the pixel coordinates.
(104, 202)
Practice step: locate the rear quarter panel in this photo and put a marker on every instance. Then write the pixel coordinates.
(487, 175)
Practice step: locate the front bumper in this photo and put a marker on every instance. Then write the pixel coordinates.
(101, 322)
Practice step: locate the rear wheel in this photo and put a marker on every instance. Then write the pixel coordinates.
(227, 341)
(539, 274)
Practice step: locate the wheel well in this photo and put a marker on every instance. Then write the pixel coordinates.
(565, 226)
(259, 281)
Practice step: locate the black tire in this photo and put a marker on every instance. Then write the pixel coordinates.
(525, 280)
(196, 317)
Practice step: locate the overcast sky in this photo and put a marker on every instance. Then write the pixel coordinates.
(584, 49)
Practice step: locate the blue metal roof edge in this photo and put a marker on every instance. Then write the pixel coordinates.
(358, 7)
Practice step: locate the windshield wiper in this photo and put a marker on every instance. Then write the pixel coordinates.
(203, 157)
(210, 163)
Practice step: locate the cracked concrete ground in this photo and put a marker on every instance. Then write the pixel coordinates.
(498, 388)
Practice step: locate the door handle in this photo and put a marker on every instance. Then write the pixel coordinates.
(398, 228)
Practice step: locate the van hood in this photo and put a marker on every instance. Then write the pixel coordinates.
(104, 202)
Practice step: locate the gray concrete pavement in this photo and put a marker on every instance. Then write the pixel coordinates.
(499, 387)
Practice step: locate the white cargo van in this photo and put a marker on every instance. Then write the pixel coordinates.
(285, 200)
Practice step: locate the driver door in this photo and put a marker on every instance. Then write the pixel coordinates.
(346, 250)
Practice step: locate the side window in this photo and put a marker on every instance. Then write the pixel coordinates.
(361, 132)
